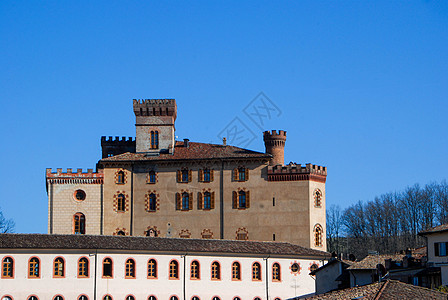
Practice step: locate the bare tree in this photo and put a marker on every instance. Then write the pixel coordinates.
(6, 225)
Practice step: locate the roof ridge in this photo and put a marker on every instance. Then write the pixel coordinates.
(380, 292)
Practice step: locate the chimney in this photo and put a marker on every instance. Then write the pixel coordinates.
(275, 145)
(224, 141)
(186, 143)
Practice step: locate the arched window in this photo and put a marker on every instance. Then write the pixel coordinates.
(194, 270)
(32, 298)
(242, 234)
(152, 232)
(6, 298)
(130, 297)
(276, 272)
(121, 232)
(8, 267)
(216, 271)
(237, 298)
(58, 267)
(34, 268)
(130, 268)
(152, 202)
(107, 267)
(152, 298)
(154, 139)
(207, 200)
(207, 234)
(58, 297)
(257, 298)
(79, 223)
(256, 271)
(120, 177)
(83, 267)
(317, 198)
(107, 297)
(206, 174)
(277, 299)
(216, 298)
(152, 268)
(195, 298)
(83, 297)
(241, 174)
(174, 270)
(185, 201)
(121, 202)
(236, 271)
(241, 199)
(152, 177)
(314, 267)
(318, 235)
(174, 298)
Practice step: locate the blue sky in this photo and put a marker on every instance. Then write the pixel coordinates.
(362, 86)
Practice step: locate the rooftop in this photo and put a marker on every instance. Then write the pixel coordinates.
(440, 228)
(371, 261)
(389, 289)
(192, 152)
(156, 244)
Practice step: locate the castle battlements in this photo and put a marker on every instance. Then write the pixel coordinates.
(155, 107)
(117, 139)
(70, 177)
(273, 134)
(297, 172)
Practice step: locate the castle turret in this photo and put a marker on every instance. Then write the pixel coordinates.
(154, 125)
(275, 145)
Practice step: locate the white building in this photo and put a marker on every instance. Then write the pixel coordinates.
(83, 267)
(437, 253)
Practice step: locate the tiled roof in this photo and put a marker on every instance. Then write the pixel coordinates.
(371, 261)
(193, 151)
(440, 228)
(54, 241)
(389, 289)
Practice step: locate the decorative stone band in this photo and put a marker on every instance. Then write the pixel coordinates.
(295, 172)
(70, 177)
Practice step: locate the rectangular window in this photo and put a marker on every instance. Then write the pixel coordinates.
(273, 201)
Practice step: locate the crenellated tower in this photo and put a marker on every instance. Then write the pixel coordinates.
(275, 145)
(154, 125)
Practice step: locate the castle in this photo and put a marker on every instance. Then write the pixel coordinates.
(157, 186)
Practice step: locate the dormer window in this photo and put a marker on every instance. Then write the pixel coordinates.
(154, 139)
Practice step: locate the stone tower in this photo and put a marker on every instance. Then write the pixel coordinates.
(275, 145)
(154, 125)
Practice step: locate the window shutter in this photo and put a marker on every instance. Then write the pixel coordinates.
(247, 199)
(201, 175)
(178, 203)
(200, 205)
(211, 175)
(190, 175)
(179, 176)
(246, 170)
(190, 201)
(212, 200)
(235, 199)
(436, 249)
(235, 174)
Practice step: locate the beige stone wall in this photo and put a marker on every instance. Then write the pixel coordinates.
(65, 206)
(292, 219)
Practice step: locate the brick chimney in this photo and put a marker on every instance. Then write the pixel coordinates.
(275, 145)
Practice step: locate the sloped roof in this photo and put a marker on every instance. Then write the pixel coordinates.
(332, 261)
(389, 289)
(156, 244)
(371, 261)
(440, 228)
(192, 152)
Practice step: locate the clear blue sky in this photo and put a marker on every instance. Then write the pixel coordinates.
(362, 86)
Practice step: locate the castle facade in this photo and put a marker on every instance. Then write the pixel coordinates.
(157, 186)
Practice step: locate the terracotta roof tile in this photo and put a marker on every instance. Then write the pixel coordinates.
(440, 228)
(193, 151)
(54, 241)
(371, 261)
(389, 289)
